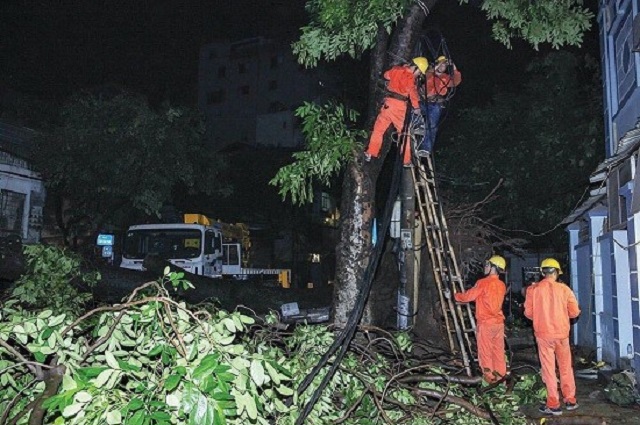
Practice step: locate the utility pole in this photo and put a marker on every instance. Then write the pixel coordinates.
(405, 255)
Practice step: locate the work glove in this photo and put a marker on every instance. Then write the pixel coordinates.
(447, 293)
(416, 111)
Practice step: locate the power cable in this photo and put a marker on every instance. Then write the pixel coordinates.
(342, 341)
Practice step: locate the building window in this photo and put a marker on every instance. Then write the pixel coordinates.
(242, 69)
(276, 60)
(273, 84)
(244, 90)
(222, 72)
(216, 96)
(11, 211)
(276, 107)
(325, 202)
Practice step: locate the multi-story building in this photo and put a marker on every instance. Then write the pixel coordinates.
(249, 90)
(22, 192)
(604, 232)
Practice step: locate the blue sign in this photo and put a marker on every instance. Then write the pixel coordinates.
(105, 240)
(107, 251)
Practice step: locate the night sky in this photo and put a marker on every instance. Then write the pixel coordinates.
(151, 46)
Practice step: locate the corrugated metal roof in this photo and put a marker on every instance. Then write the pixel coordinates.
(627, 145)
(596, 197)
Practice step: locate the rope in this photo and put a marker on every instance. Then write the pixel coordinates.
(342, 341)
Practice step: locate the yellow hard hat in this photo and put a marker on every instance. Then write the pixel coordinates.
(422, 63)
(498, 261)
(551, 262)
(442, 59)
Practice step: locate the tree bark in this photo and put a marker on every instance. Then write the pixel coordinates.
(359, 186)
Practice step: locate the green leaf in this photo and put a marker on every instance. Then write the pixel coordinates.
(172, 382)
(257, 372)
(56, 320)
(134, 404)
(156, 350)
(39, 357)
(103, 378)
(203, 413)
(83, 397)
(72, 409)
(111, 360)
(160, 416)
(137, 418)
(114, 417)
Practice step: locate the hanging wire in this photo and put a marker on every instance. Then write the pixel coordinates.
(342, 341)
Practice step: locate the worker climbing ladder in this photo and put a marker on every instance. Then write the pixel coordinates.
(459, 319)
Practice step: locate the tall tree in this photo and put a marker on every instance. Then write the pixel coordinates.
(112, 157)
(539, 149)
(390, 29)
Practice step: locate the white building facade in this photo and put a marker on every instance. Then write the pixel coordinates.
(22, 192)
(604, 232)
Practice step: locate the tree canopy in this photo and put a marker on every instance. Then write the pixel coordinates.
(111, 156)
(539, 149)
(339, 27)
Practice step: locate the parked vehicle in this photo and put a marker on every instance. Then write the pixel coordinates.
(200, 246)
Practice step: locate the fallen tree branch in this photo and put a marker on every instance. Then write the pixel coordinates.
(459, 401)
(31, 365)
(5, 414)
(465, 380)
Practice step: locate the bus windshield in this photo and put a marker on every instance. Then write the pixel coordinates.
(166, 243)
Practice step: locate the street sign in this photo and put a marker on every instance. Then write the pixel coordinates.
(107, 251)
(105, 240)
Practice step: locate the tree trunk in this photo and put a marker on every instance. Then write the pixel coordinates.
(359, 187)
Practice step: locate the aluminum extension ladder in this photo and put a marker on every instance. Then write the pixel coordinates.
(459, 320)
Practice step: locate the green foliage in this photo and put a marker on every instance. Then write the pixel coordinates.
(177, 280)
(557, 22)
(330, 145)
(543, 141)
(52, 279)
(349, 27)
(344, 27)
(111, 156)
(154, 361)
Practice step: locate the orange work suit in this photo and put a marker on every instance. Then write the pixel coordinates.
(437, 84)
(400, 81)
(550, 305)
(488, 293)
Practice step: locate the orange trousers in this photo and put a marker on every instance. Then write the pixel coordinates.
(550, 349)
(393, 111)
(491, 351)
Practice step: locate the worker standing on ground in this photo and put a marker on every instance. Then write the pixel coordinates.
(551, 304)
(401, 89)
(488, 294)
(438, 80)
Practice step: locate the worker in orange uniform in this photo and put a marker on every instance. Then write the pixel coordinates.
(401, 89)
(488, 294)
(438, 80)
(551, 304)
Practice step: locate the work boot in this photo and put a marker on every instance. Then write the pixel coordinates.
(546, 410)
(571, 406)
